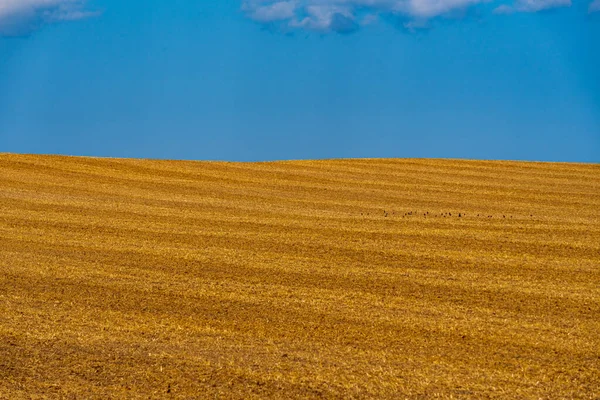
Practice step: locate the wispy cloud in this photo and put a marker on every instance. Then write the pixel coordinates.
(337, 18)
(277, 11)
(344, 16)
(595, 7)
(21, 17)
(531, 6)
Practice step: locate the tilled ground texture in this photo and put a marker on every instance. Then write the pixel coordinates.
(305, 279)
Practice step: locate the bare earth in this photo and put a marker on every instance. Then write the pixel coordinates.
(303, 279)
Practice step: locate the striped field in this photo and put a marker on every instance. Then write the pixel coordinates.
(381, 278)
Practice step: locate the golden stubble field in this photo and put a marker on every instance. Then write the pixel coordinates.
(377, 278)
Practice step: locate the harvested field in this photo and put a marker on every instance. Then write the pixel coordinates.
(380, 278)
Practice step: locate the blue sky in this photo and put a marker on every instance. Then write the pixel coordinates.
(301, 79)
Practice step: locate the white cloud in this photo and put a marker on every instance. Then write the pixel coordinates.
(276, 11)
(21, 17)
(346, 15)
(424, 9)
(338, 18)
(531, 6)
(594, 7)
(349, 15)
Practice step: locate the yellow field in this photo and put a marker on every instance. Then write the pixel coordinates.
(302, 279)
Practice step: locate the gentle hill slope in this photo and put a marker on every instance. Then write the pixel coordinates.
(342, 278)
